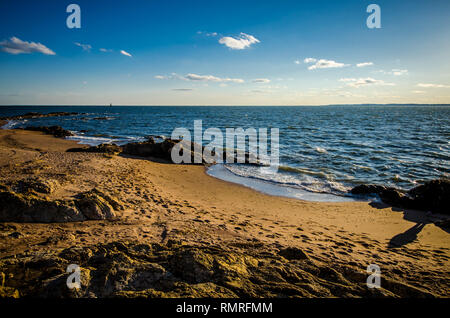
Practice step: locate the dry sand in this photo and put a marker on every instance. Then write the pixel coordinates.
(166, 202)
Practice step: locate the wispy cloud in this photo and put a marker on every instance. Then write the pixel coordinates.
(322, 63)
(261, 80)
(105, 50)
(182, 89)
(200, 78)
(15, 45)
(364, 64)
(211, 78)
(207, 33)
(359, 82)
(395, 72)
(427, 85)
(85, 47)
(310, 60)
(241, 42)
(125, 53)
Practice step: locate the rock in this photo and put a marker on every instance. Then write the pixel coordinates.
(443, 224)
(38, 115)
(29, 207)
(367, 189)
(94, 205)
(111, 149)
(56, 131)
(293, 253)
(432, 196)
(38, 185)
(16, 207)
(124, 269)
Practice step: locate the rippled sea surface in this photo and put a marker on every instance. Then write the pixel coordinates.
(322, 149)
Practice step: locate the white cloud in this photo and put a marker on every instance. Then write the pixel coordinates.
(297, 62)
(397, 72)
(432, 85)
(326, 64)
(310, 60)
(418, 92)
(16, 46)
(211, 78)
(261, 80)
(241, 42)
(364, 64)
(358, 82)
(125, 53)
(207, 33)
(85, 47)
(200, 78)
(105, 50)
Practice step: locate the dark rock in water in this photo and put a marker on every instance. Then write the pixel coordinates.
(367, 189)
(112, 149)
(56, 131)
(443, 224)
(38, 115)
(432, 196)
(293, 253)
(29, 207)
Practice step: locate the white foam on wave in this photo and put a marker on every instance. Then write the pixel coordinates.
(272, 188)
(12, 123)
(95, 141)
(299, 178)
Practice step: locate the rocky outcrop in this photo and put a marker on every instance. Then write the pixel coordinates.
(432, 196)
(56, 131)
(28, 206)
(38, 115)
(161, 150)
(122, 269)
(111, 149)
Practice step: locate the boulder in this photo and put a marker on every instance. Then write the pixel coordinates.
(293, 253)
(432, 196)
(30, 207)
(111, 149)
(56, 131)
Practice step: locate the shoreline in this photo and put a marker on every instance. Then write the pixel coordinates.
(179, 207)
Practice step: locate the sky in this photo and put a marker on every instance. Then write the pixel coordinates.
(246, 52)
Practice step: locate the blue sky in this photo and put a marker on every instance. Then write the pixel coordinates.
(224, 53)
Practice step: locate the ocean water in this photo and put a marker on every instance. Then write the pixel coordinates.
(325, 149)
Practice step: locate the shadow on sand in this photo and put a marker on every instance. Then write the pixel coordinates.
(421, 219)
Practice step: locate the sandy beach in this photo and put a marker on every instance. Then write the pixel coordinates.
(311, 249)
